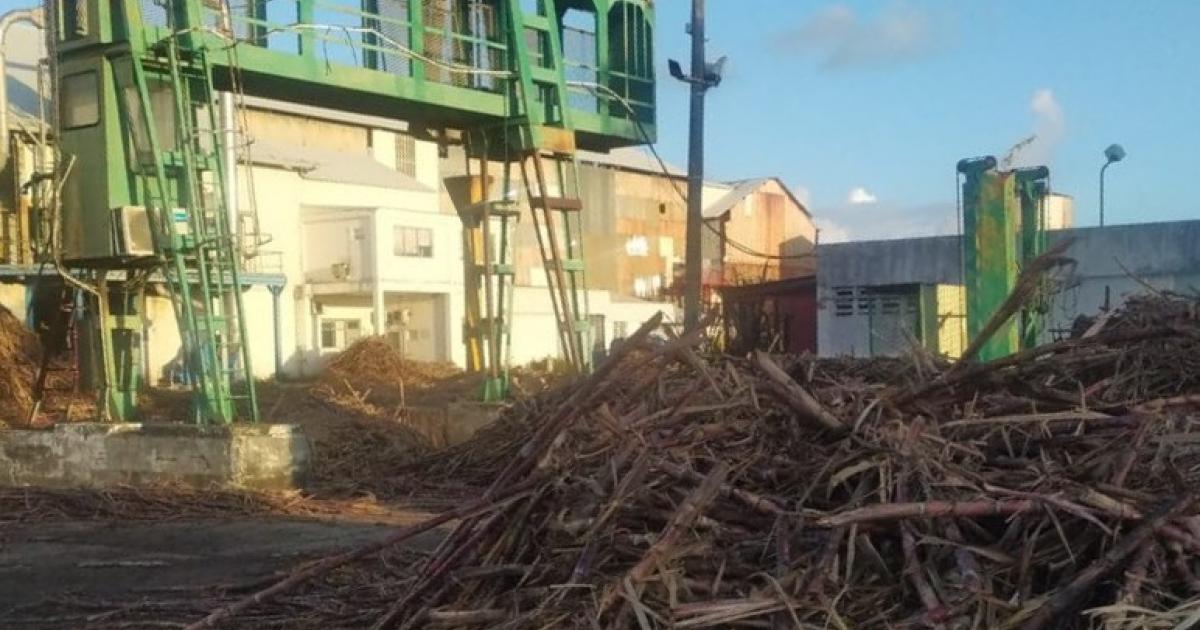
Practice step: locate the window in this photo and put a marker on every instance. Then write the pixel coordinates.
(647, 286)
(74, 19)
(413, 242)
(162, 104)
(339, 333)
(620, 330)
(872, 300)
(637, 246)
(843, 301)
(80, 100)
(666, 247)
(406, 154)
(596, 324)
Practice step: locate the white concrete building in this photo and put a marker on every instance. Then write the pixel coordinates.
(357, 243)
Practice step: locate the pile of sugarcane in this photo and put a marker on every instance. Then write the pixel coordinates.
(1056, 488)
(20, 354)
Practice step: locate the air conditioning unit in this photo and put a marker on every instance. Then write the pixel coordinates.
(133, 236)
(132, 227)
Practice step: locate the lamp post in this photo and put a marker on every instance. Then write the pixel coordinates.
(1114, 153)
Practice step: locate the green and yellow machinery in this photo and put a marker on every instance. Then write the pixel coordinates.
(145, 157)
(1003, 229)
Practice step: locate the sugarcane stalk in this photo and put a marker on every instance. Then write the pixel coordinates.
(1067, 599)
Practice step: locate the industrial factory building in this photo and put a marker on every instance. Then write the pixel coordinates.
(351, 228)
(388, 314)
(881, 298)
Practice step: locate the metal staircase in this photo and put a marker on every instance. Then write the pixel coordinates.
(538, 140)
(550, 171)
(190, 225)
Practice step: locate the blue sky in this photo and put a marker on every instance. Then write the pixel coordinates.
(883, 97)
(887, 95)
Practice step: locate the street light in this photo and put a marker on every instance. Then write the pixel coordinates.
(1114, 153)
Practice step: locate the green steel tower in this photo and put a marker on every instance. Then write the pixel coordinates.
(523, 82)
(1003, 229)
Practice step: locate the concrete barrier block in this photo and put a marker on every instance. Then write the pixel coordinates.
(100, 454)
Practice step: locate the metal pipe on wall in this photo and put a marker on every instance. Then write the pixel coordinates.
(277, 319)
(229, 129)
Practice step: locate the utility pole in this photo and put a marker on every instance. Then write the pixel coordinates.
(695, 189)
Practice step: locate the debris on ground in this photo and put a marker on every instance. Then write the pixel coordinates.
(20, 355)
(1055, 488)
(374, 416)
(374, 372)
(170, 502)
(373, 375)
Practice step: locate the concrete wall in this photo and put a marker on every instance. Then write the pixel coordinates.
(634, 223)
(768, 221)
(436, 321)
(338, 246)
(1163, 255)
(535, 332)
(424, 329)
(307, 131)
(265, 457)
(1108, 259)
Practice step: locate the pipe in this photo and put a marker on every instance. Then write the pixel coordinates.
(31, 16)
(228, 122)
(277, 313)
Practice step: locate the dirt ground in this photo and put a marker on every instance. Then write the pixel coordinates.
(158, 557)
(60, 565)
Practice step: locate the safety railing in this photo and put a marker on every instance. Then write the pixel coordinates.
(264, 262)
(449, 54)
(462, 47)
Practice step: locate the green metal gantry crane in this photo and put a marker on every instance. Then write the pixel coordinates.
(146, 196)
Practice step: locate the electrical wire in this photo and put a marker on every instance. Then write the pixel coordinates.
(745, 249)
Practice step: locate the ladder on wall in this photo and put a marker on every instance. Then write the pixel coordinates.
(550, 171)
(189, 220)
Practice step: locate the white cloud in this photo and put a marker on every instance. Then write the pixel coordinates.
(860, 195)
(840, 38)
(831, 232)
(1049, 129)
